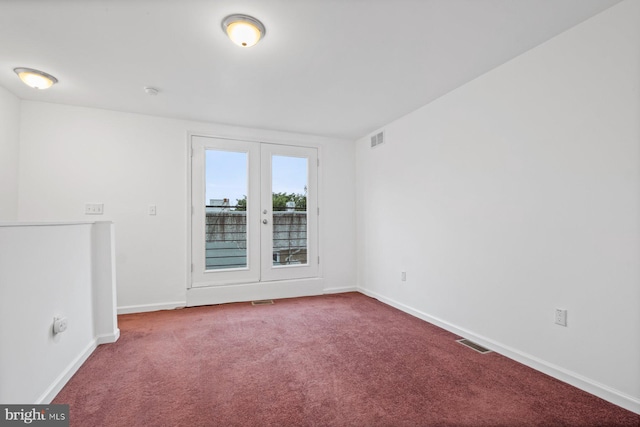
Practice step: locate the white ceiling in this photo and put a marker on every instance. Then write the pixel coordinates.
(327, 67)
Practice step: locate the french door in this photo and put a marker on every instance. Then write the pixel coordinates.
(254, 212)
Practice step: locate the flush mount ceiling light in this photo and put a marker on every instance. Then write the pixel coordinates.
(243, 30)
(35, 79)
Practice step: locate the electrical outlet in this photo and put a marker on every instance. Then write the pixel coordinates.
(94, 209)
(561, 317)
(59, 324)
(152, 209)
(403, 276)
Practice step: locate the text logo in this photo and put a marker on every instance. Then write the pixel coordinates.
(34, 415)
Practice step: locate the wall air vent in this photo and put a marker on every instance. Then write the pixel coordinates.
(377, 139)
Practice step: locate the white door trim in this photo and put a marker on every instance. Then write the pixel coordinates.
(279, 285)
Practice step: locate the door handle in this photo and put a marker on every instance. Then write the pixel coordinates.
(264, 221)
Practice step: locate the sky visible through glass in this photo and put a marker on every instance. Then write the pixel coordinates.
(226, 175)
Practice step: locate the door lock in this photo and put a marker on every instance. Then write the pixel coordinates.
(264, 221)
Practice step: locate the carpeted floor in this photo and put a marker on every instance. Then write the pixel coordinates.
(335, 360)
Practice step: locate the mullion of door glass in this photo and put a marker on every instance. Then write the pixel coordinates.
(226, 209)
(289, 186)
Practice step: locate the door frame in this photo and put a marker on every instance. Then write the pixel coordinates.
(260, 290)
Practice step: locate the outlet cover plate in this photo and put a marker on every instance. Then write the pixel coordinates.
(561, 317)
(94, 208)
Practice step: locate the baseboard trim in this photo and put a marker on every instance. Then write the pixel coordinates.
(62, 379)
(590, 386)
(142, 308)
(108, 338)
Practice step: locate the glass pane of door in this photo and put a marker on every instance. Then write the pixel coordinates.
(226, 209)
(289, 187)
(289, 211)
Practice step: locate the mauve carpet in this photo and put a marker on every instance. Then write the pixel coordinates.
(335, 360)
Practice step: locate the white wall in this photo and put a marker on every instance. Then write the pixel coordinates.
(46, 272)
(9, 154)
(74, 155)
(516, 194)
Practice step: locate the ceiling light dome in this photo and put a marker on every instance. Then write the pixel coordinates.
(243, 30)
(35, 78)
